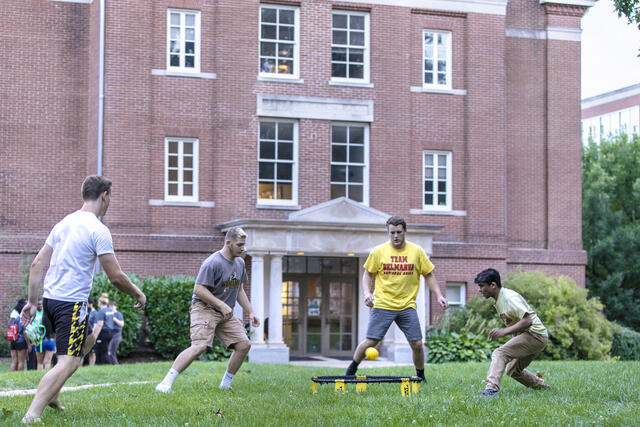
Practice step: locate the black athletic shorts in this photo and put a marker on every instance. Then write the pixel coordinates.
(69, 322)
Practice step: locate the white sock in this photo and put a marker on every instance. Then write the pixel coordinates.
(226, 380)
(171, 377)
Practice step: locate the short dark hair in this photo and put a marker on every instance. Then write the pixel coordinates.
(397, 220)
(490, 275)
(93, 186)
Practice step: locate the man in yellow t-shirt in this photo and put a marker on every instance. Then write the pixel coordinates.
(395, 268)
(529, 335)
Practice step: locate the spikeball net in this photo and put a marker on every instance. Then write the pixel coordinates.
(408, 385)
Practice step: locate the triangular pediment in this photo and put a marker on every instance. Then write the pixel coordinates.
(340, 210)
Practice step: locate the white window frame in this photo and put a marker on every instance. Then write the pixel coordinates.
(197, 48)
(294, 169)
(365, 171)
(296, 43)
(366, 64)
(196, 154)
(462, 289)
(449, 41)
(449, 196)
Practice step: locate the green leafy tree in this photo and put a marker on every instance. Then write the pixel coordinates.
(611, 226)
(630, 9)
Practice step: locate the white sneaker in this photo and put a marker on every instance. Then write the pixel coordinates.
(163, 388)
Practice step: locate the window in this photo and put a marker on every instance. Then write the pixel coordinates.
(349, 154)
(183, 41)
(350, 46)
(436, 59)
(277, 166)
(279, 41)
(456, 294)
(181, 170)
(437, 180)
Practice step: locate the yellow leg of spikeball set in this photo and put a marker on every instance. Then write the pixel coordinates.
(405, 387)
(340, 386)
(361, 387)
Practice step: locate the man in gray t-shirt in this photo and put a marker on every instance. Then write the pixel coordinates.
(217, 288)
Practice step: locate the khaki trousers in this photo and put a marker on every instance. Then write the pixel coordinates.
(516, 354)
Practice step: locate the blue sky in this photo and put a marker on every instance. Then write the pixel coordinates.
(610, 49)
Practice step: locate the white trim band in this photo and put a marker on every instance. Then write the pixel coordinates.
(587, 3)
(308, 107)
(612, 96)
(445, 213)
(157, 202)
(178, 74)
(551, 33)
(442, 91)
(491, 7)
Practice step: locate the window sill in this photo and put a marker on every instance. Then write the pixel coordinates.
(284, 207)
(350, 84)
(156, 202)
(445, 213)
(442, 91)
(280, 79)
(183, 74)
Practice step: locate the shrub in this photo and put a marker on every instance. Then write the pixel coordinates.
(167, 311)
(132, 317)
(626, 343)
(576, 326)
(446, 346)
(478, 317)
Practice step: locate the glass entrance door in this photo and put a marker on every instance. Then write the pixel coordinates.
(318, 310)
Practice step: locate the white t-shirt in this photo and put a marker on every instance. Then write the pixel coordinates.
(77, 241)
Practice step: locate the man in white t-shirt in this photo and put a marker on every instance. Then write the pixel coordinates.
(69, 256)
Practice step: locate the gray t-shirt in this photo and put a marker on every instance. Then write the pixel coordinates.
(222, 278)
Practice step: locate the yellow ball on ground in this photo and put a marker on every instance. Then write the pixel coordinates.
(371, 353)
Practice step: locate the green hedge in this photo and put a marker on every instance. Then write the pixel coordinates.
(446, 346)
(167, 311)
(626, 343)
(132, 317)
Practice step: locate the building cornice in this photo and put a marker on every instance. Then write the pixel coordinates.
(491, 7)
(615, 95)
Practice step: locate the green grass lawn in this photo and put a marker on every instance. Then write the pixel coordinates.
(594, 393)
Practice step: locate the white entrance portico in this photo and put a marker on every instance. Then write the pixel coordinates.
(337, 228)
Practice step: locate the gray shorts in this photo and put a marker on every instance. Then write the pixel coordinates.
(407, 320)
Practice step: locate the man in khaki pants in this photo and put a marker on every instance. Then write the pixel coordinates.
(529, 335)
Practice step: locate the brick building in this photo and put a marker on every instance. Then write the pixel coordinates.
(611, 113)
(308, 123)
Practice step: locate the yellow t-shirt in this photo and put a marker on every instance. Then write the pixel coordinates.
(512, 307)
(397, 274)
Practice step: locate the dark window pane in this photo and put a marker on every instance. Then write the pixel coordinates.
(269, 15)
(428, 186)
(442, 79)
(267, 65)
(355, 173)
(337, 191)
(187, 162)
(356, 135)
(356, 38)
(442, 65)
(173, 175)
(338, 173)
(267, 49)
(356, 55)
(174, 60)
(285, 67)
(339, 20)
(338, 70)
(174, 46)
(338, 153)
(265, 170)
(339, 37)
(190, 47)
(287, 17)
(355, 193)
(297, 264)
(285, 50)
(269, 32)
(173, 161)
(314, 264)
(267, 150)
(285, 131)
(265, 190)
(339, 54)
(428, 65)
(189, 61)
(442, 186)
(285, 171)
(428, 78)
(357, 22)
(286, 33)
(173, 147)
(285, 151)
(356, 154)
(173, 189)
(187, 176)
(442, 199)
(428, 199)
(187, 148)
(356, 71)
(284, 191)
(339, 134)
(267, 130)
(349, 265)
(330, 265)
(188, 190)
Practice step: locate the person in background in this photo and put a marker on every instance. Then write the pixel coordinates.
(18, 348)
(93, 319)
(116, 338)
(103, 330)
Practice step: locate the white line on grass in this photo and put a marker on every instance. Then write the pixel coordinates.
(27, 392)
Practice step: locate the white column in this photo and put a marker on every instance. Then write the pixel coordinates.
(421, 305)
(257, 296)
(275, 300)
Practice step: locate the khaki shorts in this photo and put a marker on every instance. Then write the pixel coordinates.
(207, 323)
